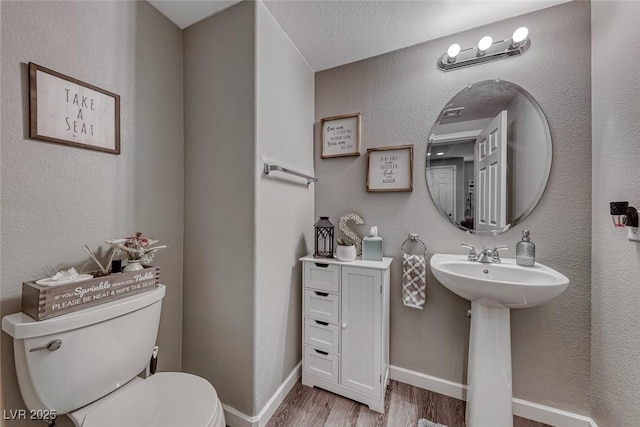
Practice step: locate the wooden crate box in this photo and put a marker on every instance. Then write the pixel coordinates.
(44, 302)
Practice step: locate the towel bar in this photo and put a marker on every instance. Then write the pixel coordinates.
(268, 168)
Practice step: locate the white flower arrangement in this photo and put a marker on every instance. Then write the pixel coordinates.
(137, 247)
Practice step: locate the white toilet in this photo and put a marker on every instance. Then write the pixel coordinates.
(89, 370)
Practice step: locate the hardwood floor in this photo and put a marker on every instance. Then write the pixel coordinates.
(404, 406)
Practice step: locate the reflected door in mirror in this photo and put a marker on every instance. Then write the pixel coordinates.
(490, 164)
(443, 186)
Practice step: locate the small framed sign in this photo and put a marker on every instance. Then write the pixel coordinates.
(67, 111)
(340, 136)
(390, 168)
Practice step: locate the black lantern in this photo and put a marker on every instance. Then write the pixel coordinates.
(324, 238)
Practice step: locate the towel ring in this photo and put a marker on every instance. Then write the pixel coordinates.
(413, 238)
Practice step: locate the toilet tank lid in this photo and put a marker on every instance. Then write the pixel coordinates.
(21, 326)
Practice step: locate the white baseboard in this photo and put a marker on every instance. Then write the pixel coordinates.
(548, 415)
(428, 382)
(235, 418)
(272, 405)
(521, 408)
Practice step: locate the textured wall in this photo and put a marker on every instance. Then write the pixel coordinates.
(248, 99)
(284, 208)
(615, 384)
(219, 259)
(400, 95)
(56, 198)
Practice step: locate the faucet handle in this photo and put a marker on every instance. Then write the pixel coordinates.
(495, 255)
(473, 255)
(471, 248)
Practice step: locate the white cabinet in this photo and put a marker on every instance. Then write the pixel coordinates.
(345, 316)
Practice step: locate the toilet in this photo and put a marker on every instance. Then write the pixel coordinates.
(85, 364)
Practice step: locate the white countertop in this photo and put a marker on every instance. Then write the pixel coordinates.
(380, 265)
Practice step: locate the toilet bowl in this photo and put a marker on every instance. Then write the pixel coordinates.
(102, 351)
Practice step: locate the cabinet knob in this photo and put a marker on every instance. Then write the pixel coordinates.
(344, 326)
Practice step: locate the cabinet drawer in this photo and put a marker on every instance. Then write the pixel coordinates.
(321, 364)
(324, 277)
(322, 306)
(321, 335)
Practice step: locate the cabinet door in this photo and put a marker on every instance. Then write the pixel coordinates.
(361, 330)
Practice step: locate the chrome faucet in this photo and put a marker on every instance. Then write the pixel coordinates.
(487, 256)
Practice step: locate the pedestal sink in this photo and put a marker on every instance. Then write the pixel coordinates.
(493, 290)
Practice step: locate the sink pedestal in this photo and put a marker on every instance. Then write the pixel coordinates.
(493, 290)
(489, 393)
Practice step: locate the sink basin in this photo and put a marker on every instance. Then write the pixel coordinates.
(498, 285)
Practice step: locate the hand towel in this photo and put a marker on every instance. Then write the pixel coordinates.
(414, 280)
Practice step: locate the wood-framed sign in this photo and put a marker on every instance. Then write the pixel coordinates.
(67, 111)
(390, 168)
(340, 136)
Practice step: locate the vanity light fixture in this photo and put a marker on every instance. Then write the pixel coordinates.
(440, 154)
(487, 50)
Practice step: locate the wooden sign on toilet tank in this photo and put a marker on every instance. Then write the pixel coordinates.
(44, 302)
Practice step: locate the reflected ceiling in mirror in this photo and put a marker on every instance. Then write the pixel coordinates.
(488, 157)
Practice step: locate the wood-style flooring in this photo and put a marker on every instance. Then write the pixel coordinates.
(404, 406)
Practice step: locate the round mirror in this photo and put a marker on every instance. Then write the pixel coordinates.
(488, 157)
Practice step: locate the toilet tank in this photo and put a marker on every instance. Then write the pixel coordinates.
(103, 347)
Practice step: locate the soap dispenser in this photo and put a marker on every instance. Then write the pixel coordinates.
(525, 251)
(372, 246)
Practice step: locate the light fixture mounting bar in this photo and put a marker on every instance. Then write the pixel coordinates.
(498, 50)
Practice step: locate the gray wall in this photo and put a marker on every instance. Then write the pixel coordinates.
(219, 261)
(56, 198)
(248, 99)
(284, 208)
(615, 384)
(400, 95)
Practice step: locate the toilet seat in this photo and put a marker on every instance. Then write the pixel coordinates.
(166, 399)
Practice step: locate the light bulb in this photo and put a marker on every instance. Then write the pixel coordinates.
(484, 44)
(520, 35)
(453, 50)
